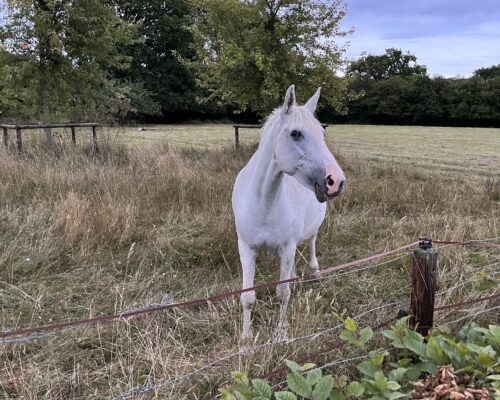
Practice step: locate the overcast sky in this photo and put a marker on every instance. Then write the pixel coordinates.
(450, 37)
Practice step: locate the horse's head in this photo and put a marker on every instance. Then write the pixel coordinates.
(300, 148)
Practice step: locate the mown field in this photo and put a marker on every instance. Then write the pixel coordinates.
(149, 220)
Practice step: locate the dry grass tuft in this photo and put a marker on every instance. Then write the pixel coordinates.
(83, 234)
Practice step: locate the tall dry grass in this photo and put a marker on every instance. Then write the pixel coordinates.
(83, 235)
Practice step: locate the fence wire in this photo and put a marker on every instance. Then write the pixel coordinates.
(141, 389)
(42, 335)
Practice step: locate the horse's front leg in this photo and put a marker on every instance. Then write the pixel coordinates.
(247, 258)
(313, 260)
(287, 258)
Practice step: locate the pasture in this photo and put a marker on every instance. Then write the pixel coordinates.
(149, 220)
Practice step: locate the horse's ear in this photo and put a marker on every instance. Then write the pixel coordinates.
(313, 101)
(289, 99)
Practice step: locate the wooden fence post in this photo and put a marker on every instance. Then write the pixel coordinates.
(423, 286)
(73, 135)
(19, 140)
(94, 138)
(5, 137)
(236, 138)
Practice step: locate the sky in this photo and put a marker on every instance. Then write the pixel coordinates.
(450, 37)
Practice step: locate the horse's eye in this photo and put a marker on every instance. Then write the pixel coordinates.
(295, 134)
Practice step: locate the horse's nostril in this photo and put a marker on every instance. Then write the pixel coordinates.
(341, 185)
(329, 181)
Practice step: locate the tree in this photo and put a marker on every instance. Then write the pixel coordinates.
(488, 73)
(65, 49)
(249, 52)
(161, 84)
(393, 63)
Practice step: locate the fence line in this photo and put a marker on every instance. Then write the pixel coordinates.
(200, 301)
(472, 315)
(30, 332)
(140, 389)
(440, 293)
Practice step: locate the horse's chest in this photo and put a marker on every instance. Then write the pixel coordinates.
(271, 227)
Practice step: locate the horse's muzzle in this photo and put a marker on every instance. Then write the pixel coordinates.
(322, 194)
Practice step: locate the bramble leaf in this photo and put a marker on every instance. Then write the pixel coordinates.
(299, 385)
(323, 388)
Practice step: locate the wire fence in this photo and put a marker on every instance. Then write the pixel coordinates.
(25, 335)
(141, 389)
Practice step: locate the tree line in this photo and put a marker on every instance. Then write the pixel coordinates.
(170, 60)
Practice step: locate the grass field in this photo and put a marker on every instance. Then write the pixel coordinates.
(150, 218)
(452, 149)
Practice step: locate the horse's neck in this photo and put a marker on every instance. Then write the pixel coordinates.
(267, 178)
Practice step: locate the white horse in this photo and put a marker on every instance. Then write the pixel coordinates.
(279, 196)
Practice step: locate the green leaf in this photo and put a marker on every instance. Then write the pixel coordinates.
(299, 385)
(367, 368)
(351, 325)
(397, 374)
(415, 345)
(323, 388)
(355, 389)
(396, 395)
(396, 341)
(314, 376)
(337, 394)
(285, 396)
(307, 366)
(348, 336)
(262, 387)
(391, 385)
(228, 396)
(241, 396)
(377, 356)
(240, 388)
(493, 377)
(427, 366)
(240, 377)
(484, 359)
(435, 352)
(365, 334)
(380, 381)
(292, 365)
(495, 332)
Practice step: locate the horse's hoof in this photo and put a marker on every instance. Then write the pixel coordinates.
(244, 348)
(315, 275)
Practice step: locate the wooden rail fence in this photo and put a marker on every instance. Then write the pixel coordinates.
(237, 128)
(19, 128)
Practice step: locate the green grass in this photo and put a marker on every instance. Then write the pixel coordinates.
(452, 149)
(84, 235)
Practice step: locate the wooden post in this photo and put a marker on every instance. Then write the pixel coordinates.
(94, 138)
(236, 138)
(73, 135)
(19, 140)
(423, 287)
(5, 137)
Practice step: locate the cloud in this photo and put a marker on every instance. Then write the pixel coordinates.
(450, 37)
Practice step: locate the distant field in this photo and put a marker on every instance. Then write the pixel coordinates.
(474, 150)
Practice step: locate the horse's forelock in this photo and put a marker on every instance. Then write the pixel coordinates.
(298, 116)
